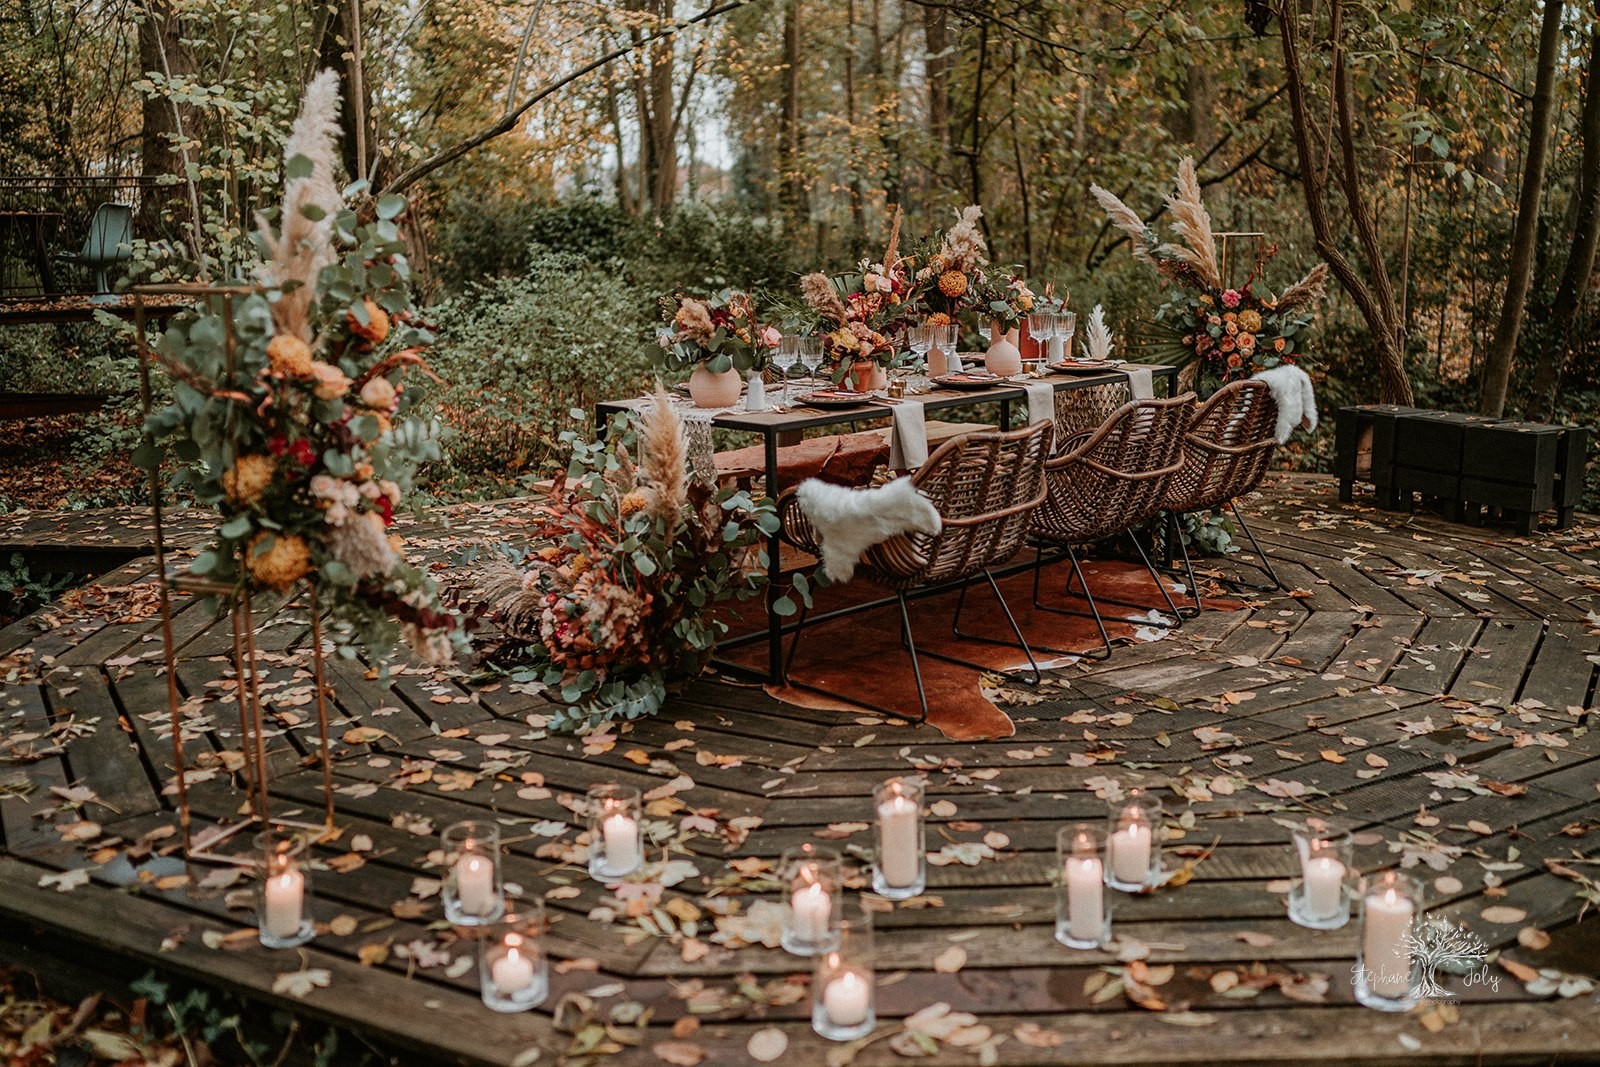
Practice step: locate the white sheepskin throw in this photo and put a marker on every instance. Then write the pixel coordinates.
(1297, 401)
(850, 521)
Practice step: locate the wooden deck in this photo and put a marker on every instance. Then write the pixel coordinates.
(1431, 683)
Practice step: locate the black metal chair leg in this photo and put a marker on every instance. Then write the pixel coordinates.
(1175, 532)
(1033, 664)
(911, 647)
(1092, 613)
(955, 628)
(1156, 577)
(1266, 562)
(794, 645)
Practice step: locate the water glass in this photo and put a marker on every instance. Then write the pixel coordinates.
(785, 357)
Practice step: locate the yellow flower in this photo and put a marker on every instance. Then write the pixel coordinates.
(953, 283)
(1250, 319)
(289, 356)
(285, 561)
(939, 318)
(247, 479)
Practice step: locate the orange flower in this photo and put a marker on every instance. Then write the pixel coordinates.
(1234, 360)
(289, 356)
(953, 283)
(1279, 345)
(285, 560)
(247, 479)
(375, 329)
(939, 318)
(1228, 344)
(1247, 342)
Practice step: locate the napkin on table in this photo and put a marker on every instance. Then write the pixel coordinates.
(1141, 383)
(908, 439)
(1041, 401)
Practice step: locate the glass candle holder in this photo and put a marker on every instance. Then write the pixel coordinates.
(472, 890)
(1083, 908)
(1320, 898)
(616, 831)
(815, 895)
(901, 870)
(283, 910)
(512, 972)
(1387, 964)
(1133, 848)
(843, 988)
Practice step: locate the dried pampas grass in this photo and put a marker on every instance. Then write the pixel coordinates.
(1307, 291)
(302, 246)
(964, 246)
(820, 297)
(892, 250)
(664, 460)
(512, 595)
(1125, 219)
(1097, 343)
(1193, 223)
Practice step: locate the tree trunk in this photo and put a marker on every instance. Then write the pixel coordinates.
(935, 26)
(1585, 242)
(161, 50)
(791, 189)
(663, 125)
(1525, 236)
(335, 52)
(625, 201)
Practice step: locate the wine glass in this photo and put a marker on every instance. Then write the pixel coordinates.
(920, 340)
(1066, 330)
(949, 341)
(1041, 328)
(810, 356)
(784, 358)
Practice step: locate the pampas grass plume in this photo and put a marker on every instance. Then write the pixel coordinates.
(664, 460)
(301, 247)
(821, 298)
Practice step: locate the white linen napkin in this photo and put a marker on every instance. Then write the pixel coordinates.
(1041, 401)
(908, 439)
(1141, 382)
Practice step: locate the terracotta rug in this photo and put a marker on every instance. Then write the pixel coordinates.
(861, 667)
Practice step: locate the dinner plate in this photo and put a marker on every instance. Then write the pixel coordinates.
(1077, 367)
(828, 398)
(969, 381)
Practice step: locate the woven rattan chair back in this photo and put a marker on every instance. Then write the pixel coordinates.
(1115, 478)
(985, 486)
(1078, 410)
(1227, 449)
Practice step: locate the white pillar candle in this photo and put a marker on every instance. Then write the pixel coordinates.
(1085, 899)
(902, 841)
(1130, 854)
(1386, 945)
(475, 885)
(813, 908)
(622, 842)
(1057, 350)
(1324, 881)
(512, 973)
(846, 999)
(286, 894)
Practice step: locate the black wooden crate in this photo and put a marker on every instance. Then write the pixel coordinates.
(1366, 432)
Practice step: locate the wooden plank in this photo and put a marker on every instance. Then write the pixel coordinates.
(108, 759)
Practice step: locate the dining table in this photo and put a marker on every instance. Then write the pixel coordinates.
(778, 424)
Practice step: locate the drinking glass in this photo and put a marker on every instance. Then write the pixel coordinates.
(1061, 340)
(921, 340)
(949, 341)
(810, 356)
(784, 358)
(1041, 328)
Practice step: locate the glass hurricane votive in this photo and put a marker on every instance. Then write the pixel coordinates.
(901, 869)
(1083, 910)
(1387, 965)
(843, 988)
(1320, 898)
(472, 891)
(1133, 849)
(285, 891)
(616, 831)
(512, 973)
(815, 895)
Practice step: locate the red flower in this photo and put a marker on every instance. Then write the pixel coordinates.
(385, 509)
(301, 452)
(278, 444)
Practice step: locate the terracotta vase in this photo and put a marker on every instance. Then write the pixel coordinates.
(710, 390)
(1004, 357)
(864, 376)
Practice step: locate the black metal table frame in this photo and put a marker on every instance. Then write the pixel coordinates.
(771, 425)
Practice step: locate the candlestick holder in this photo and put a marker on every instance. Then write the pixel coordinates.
(616, 839)
(1133, 848)
(843, 986)
(901, 869)
(1387, 965)
(512, 973)
(815, 895)
(284, 895)
(1083, 908)
(472, 892)
(1320, 898)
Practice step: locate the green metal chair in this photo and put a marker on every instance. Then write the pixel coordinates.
(108, 242)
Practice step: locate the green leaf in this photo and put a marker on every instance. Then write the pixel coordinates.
(391, 205)
(784, 607)
(236, 527)
(298, 166)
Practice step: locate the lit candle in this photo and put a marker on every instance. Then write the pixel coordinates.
(901, 861)
(475, 885)
(812, 906)
(621, 833)
(512, 972)
(1130, 852)
(286, 894)
(846, 999)
(1324, 882)
(1386, 944)
(1085, 902)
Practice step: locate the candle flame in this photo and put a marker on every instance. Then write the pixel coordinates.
(512, 941)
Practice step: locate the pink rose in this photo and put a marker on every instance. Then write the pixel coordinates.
(770, 336)
(1231, 298)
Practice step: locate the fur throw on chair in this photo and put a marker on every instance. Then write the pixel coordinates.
(1296, 400)
(850, 521)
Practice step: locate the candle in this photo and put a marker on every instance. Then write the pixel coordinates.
(475, 885)
(1386, 944)
(1085, 903)
(512, 972)
(1130, 852)
(285, 901)
(622, 843)
(845, 999)
(901, 861)
(1324, 882)
(812, 906)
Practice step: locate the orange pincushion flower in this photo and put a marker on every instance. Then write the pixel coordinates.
(289, 356)
(953, 283)
(634, 501)
(939, 318)
(1250, 319)
(247, 479)
(375, 329)
(285, 561)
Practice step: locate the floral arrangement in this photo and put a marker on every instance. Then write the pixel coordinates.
(720, 332)
(1005, 299)
(865, 312)
(617, 603)
(1233, 332)
(293, 420)
(952, 270)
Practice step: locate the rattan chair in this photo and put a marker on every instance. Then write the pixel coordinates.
(985, 486)
(1104, 483)
(1226, 453)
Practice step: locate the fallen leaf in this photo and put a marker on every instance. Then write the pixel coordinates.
(1533, 937)
(1503, 914)
(950, 960)
(678, 1053)
(767, 1045)
(299, 984)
